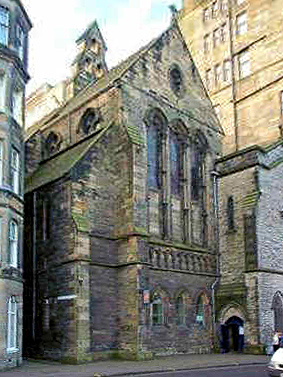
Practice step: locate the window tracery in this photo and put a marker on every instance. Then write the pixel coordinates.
(89, 121)
(53, 142)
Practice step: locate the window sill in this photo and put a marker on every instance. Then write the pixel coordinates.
(12, 350)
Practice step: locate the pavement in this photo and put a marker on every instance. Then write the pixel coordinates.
(35, 368)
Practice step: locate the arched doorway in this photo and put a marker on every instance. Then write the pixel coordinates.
(232, 339)
(277, 306)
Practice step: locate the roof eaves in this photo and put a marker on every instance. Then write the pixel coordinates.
(52, 169)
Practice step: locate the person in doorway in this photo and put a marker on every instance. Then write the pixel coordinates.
(275, 342)
(241, 338)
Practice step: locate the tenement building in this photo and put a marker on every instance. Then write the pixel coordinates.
(14, 29)
(120, 235)
(235, 45)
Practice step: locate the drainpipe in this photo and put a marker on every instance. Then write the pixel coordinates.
(233, 78)
(34, 267)
(216, 211)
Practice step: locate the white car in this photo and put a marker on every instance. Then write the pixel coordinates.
(275, 366)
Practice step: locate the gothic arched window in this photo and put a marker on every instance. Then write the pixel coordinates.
(157, 310)
(89, 121)
(176, 80)
(277, 307)
(200, 311)
(53, 142)
(180, 310)
(156, 124)
(197, 166)
(175, 163)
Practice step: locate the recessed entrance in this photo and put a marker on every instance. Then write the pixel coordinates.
(231, 337)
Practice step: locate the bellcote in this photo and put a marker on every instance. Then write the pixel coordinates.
(89, 64)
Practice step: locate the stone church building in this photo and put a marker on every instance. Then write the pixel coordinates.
(120, 227)
(141, 236)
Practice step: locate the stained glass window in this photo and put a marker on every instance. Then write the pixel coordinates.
(175, 163)
(180, 309)
(200, 311)
(153, 151)
(197, 164)
(157, 310)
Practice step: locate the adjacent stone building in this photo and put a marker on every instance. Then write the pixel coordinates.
(250, 207)
(120, 235)
(14, 29)
(236, 47)
(141, 236)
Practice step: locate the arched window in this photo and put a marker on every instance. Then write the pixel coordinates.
(175, 163)
(200, 311)
(277, 307)
(12, 324)
(156, 124)
(176, 80)
(180, 310)
(197, 166)
(91, 118)
(230, 213)
(53, 142)
(157, 309)
(13, 240)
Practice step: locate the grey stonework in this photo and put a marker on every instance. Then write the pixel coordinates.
(112, 241)
(110, 254)
(250, 254)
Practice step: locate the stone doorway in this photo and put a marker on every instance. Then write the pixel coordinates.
(231, 340)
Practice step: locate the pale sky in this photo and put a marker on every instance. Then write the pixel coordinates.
(126, 25)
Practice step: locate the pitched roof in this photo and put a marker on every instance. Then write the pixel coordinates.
(105, 82)
(91, 90)
(92, 31)
(62, 163)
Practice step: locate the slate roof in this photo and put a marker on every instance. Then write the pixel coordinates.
(62, 163)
